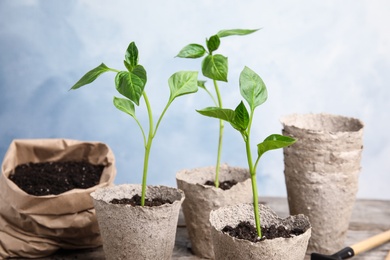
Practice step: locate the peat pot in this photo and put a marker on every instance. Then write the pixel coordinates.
(321, 172)
(227, 247)
(201, 199)
(130, 232)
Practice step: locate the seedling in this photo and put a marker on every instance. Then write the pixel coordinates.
(215, 67)
(254, 91)
(131, 84)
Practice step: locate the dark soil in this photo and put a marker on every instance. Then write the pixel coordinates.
(245, 230)
(225, 185)
(53, 178)
(136, 201)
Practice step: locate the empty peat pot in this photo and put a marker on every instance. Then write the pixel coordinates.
(321, 172)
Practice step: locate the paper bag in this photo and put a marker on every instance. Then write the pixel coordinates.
(37, 226)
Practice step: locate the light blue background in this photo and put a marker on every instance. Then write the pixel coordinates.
(314, 56)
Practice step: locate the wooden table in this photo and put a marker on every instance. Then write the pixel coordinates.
(369, 218)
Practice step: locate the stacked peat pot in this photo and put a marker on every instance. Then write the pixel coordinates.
(202, 199)
(321, 173)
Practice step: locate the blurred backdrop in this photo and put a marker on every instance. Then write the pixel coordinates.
(314, 56)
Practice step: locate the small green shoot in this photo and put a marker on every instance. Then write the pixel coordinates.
(214, 67)
(131, 84)
(254, 91)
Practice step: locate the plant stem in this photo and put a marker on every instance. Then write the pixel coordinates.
(142, 130)
(256, 204)
(114, 70)
(252, 171)
(211, 96)
(147, 149)
(151, 135)
(161, 116)
(220, 139)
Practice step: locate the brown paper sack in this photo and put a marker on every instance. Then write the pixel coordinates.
(37, 226)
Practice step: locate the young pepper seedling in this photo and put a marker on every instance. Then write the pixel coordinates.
(215, 67)
(254, 91)
(131, 83)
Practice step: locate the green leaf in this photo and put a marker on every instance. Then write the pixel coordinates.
(252, 88)
(128, 66)
(274, 141)
(131, 55)
(140, 72)
(131, 84)
(202, 84)
(125, 105)
(225, 33)
(91, 75)
(192, 51)
(182, 83)
(241, 118)
(213, 43)
(217, 112)
(215, 67)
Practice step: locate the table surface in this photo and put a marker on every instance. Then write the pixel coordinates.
(370, 217)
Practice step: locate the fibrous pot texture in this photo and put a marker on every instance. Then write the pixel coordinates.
(227, 247)
(321, 173)
(137, 232)
(324, 131)
(201, 199)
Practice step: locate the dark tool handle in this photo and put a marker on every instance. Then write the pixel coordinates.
(345, 253)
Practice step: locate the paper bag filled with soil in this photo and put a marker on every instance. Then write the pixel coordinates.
(36, 226)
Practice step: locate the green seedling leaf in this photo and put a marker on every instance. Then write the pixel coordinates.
(182, 83)
(241, 118)
(217, 112)
(273, 142)
(213, 43)
(252, 88)
(131, 56)
(128, 66)
(192, 51)
(91, 75)
(131, 84)
(238, 121)
(202, 84)
(225, 33)
(125, 105)
(140, 72)
(215, 67)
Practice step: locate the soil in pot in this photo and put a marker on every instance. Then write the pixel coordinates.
(53, 178)
(279, 248)
(244, 230)
(136, 201)
(224, 185)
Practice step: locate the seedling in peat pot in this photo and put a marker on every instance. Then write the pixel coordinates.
(254, 91)
(215, 67)
(131, 84)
